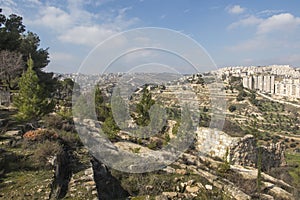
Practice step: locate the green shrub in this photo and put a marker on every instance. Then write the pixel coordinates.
(53, 121)
(70, 137)
(152, 145)
(135, 150)
(44, 151)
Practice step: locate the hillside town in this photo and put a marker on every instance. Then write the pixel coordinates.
(277, 80)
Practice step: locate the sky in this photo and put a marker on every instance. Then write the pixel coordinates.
(232, 33)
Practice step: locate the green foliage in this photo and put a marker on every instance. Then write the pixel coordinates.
(204, 118)
(13, 38)
(143, 107)
(65, 113)
(293, 160)
(152, 145)
(44, 150)
(135, 150)
(119, 108)
(110, 127)
(65, 91)
(10, 30)
(102, 110)
(157, 117)
(241, 96)
(225, 166)
(32, 101)
(82, 108)
(104, 114)
(72, 139)
(175, 128)
(236, 83)
(253, 99)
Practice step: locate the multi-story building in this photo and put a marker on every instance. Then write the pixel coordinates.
(263, 83)
(288, 88)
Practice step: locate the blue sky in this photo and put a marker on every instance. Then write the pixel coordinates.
(256, 32)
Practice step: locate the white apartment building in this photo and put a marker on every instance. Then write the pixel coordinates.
(288, 88)
(263, 83)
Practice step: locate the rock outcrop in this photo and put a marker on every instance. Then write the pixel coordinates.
(245, 153)
(242, 150)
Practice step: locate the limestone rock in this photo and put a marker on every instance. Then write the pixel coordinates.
(170, 194)
(191, 189)
(208, 187)
(181, 171)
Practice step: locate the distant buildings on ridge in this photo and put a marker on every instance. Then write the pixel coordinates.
(280, 80)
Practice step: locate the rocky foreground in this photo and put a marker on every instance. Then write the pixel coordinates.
(226, 169)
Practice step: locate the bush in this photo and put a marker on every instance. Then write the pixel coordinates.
(293, 145)
(53, 121)
(44, 151)
(71, 138)
(232, 108)
(58, 122)
(40, 135)
(152, 145)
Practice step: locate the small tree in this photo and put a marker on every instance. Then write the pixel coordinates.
(31, 101)
(143, 107)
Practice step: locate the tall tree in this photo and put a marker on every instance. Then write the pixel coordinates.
(31, 101)
(11, 29)
(13, 38)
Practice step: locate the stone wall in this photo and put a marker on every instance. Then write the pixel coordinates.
(213, 142)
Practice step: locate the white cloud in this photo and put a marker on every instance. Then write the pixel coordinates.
(250, 44)
(53, 18)
(36, 2)
(9, 7)
(284, 22)
(93, 34)
(75, 25)
(280, 22)
(163, 16)
(61, 56)
(269, 12)
(250, 20)
(87, 35)
(236, 9)
(272, 39)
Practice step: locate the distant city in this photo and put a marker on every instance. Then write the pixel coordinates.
(278, 80)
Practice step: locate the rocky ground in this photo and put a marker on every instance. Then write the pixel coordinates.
(75, 174)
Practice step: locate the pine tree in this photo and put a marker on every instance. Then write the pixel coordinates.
(143, 107)
(31, 101)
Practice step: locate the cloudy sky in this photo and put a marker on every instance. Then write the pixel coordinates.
(256, 32)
